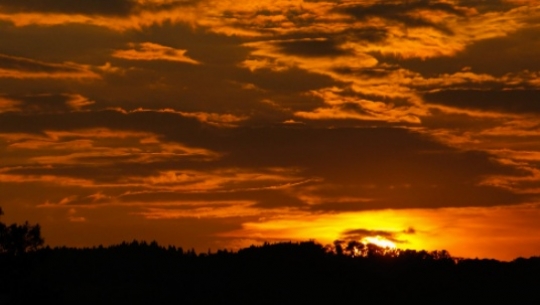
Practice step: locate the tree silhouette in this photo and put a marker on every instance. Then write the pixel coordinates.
(16, 239)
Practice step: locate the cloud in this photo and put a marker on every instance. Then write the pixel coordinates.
(341, 105)
(93, 158)
(253, 163)
(223, 180)
(410, 14)
(490, 6)
(118, 15)
(152, 51)
(267, 117)
(362, 234)
(24, 68)
(110, 8)
(320, 169)
(202, 210)
(77, 102)
(45, 103)
(514, 54)
(504, 101)
(290, 54)
(72, 217)
(8, 105)
(63, 181)
(215, 119)
(99, 7)
(312, 48)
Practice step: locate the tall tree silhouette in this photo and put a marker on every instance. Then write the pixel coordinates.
(16, 239)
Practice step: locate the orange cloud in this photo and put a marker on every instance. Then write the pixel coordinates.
(58, 180)
(95, 146)
(202, 210)
(129, 15)
(369, 59)
(222, 180)
(216, 119)
(77, 102)
(24, 68)
(8, 105)
(351, 107)
(268, 54)
(153, 51)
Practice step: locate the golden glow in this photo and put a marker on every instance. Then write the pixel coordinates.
(379, 241)
(464, 232)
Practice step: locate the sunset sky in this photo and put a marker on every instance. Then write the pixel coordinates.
(221, 124)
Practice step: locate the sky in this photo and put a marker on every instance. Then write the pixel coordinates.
(213, 124)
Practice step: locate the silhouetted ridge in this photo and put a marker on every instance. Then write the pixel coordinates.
(279, 273)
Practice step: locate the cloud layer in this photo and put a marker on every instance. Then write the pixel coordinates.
(213, 115)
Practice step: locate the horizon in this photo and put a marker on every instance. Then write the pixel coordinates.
(212, 124)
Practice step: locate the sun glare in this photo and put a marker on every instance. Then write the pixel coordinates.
(379, 241)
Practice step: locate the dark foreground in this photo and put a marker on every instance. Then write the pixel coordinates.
(285, 273)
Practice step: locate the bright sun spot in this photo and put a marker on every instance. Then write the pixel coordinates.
(379, 241)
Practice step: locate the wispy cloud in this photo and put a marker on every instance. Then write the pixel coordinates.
(25, 68)
(153, 51)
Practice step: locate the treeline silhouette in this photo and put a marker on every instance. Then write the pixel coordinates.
(278, 273)
(16, 239)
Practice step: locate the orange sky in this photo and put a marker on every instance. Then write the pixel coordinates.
(217, 124)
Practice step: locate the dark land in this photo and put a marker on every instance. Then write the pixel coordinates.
(280, 273)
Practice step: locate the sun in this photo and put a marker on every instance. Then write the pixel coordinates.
(379, 241)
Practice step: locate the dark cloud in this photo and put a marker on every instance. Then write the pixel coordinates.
(61, 43)
(364, 233)
(171, 123)
(359, 234)
(289, 81)
(97, 175)
(371, 73)
(457, 122)
(413, 196)
(370, 34)
(320, 43)
(395, 168)
(164, 84)
(353, 107)
(399, 12)
(505, 101)
(378, 72)
(89, 7)
(262, 198)
(389, 167)
(488, 6)
(19, 64)
(515, 52)
(312, 48)
(49, 103)
(272, 19)
(397, 8)
(201, 43)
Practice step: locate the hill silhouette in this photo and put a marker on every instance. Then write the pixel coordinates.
(280, 273)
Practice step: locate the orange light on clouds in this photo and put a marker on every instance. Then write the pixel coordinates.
(379, 241)
(153, 51)
(386, 122)
(497, 232)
